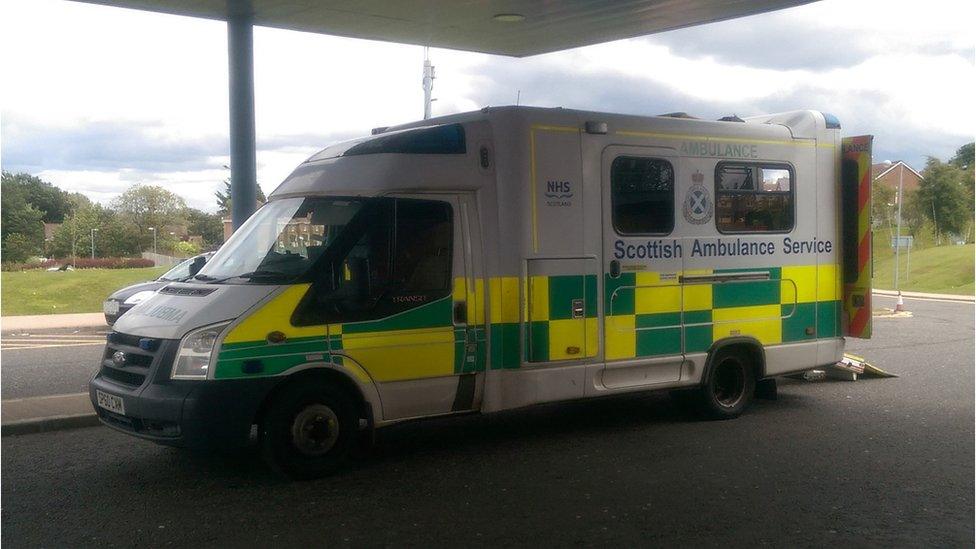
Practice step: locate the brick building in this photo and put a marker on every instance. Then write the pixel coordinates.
(888, 173)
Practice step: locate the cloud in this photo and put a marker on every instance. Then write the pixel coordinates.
(93, 115)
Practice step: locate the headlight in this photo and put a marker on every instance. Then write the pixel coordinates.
(139, 297)
(196, 348)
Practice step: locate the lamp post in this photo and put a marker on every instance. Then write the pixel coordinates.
(93, 231)
(153, 229)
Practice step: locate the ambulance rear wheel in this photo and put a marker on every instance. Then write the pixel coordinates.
(308, 430)
(729, 386)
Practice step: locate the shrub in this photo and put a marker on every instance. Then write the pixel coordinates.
(83, 263)
(186, 248)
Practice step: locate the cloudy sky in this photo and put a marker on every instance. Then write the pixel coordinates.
(95, 99)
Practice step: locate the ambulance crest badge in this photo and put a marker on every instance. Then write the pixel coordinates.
(698, 204)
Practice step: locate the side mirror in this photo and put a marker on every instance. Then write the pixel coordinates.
(197, 264)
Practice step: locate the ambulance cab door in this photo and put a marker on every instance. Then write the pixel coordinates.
(422, 339)
(641, 263)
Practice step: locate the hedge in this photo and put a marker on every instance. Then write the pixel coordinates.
(83, 263)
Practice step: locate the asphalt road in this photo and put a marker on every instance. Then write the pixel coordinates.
(879, 462)
(52, 362)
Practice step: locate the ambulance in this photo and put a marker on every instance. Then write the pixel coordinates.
(503, 258)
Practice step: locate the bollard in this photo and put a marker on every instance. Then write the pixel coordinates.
(900, 306)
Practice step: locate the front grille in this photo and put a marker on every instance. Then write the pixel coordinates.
(139, 353)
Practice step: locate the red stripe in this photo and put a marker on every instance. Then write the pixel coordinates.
(863, 253)
(860, 321)
(863, 192)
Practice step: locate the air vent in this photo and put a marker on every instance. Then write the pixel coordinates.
(186, 291)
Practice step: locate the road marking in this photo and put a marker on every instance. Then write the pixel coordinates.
(46, 344)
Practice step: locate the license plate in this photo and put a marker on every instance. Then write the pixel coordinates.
(111, 307)
(111, 403)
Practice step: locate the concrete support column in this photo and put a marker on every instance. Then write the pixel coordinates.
(240, 56)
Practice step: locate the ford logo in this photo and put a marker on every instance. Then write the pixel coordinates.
(118, 358)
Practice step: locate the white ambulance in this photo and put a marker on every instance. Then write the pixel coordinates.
(503, 258)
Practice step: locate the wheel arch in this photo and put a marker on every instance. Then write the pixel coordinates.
(749, 345)
(365, 400)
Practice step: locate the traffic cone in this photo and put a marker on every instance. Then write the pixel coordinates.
(900, 306)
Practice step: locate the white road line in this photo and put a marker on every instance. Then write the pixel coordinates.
(48, 340)
(24, 346)
(54, 336)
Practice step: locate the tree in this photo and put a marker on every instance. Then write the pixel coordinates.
(17, 248)
(224, 198)
(145, 206)
(113, 238)
(882, 204)
(209, 226)
(18, 217)
(964, 157)
(943, 197)
(47, 198)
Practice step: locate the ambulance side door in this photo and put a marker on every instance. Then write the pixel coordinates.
(641, 264)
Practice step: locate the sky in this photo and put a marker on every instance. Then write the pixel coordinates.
(95, 99)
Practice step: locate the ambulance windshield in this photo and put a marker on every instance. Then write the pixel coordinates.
(281, 241)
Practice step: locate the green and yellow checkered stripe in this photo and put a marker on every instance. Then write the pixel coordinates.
(552, 333)
(651, 316)
(420, 342)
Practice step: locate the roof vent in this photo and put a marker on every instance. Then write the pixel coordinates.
(678, 115)
(379, 130)
(599, 128)
(731, 118)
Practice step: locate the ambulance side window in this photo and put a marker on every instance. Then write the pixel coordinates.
(642, 195)
(753, 198)
(401, 259)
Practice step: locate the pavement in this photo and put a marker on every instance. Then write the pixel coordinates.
(876, 462)
(48, 322)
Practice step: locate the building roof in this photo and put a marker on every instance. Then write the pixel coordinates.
(879, 170)
(506, 27)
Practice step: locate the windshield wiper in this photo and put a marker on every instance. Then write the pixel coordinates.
(203, 277)
(253, 274)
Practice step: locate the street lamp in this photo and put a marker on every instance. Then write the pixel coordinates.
(153, 229)
(93, 231)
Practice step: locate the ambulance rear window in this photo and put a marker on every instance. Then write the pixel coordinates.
(642, 195)
(753, 198)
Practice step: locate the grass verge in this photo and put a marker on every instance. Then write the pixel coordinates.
(81, 291)
(938, 270)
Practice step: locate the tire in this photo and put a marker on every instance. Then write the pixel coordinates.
(730, 385)
(308, 430)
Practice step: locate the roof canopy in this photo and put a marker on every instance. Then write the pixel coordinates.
(512, 27)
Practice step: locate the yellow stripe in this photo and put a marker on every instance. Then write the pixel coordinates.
(504, 299)
(275, 315)
(621, 337)
(564, 335)
(805, 278)
(539, 296)
(653, 296)
(828, 282)
(763, 322)
(708, 138)
(403, 354)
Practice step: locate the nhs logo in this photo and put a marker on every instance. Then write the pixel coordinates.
(558, 193)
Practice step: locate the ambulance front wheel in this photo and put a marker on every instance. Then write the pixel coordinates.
(729, 386)
(308, 430)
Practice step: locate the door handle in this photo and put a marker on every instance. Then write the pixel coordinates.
(460, 313)
(578, 309)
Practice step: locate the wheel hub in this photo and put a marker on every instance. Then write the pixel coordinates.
(315, 430)
(729, 385)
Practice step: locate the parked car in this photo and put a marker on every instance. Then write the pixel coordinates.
(122, 300)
